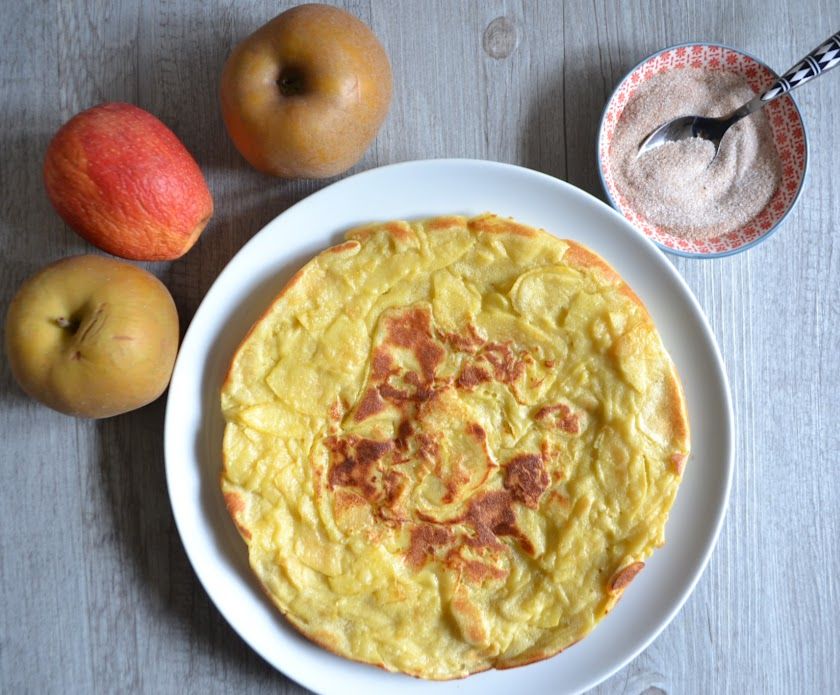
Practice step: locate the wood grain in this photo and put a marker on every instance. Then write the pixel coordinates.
(96, 594)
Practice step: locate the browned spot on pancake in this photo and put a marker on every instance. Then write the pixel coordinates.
(506, 366)
(425, 539)
(624, 289)
(471, 376)
(400, 397)
(357, 461)
(472, 620)
(470, 340)
(404, 431)
(432, 519)
(560, 499)
(398, 230)
(346, 246)
(546, 450)
(338, 446)
(317, 472)
(424, 394)
(383, 365)
(626, 575)
(430, 355)
(526, 479)
(562, 415)
(370, 449)
(235, 506)
(413, 378)
(491, 515)
(582, 258)
(443, 223)
(477, 571)
(474, 570)
(457, 479)
(371, 404)
(344, 501)
(123, 337)
(428, 449)
(678, 462)
(409, 327)
(476, 430)
(499, 225)
(463, 471)
(335, 411)
(394, 483)
(392, 393)
(412, 331)
(423, 390)
(234, 502)
(550, 364)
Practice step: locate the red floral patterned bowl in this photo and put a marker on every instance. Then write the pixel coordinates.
(788, 136)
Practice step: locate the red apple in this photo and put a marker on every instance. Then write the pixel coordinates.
(126, 183)
(305, 94)
(92, 336)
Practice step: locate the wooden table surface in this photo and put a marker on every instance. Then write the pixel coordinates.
(96, 594)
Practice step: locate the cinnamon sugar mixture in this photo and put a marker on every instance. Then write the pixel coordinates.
(681, 187)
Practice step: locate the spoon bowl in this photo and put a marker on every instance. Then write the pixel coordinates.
(711, 129)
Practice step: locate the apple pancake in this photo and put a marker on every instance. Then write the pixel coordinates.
(451, 444)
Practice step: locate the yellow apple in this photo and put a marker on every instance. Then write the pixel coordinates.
(305, 94)
(92, 336)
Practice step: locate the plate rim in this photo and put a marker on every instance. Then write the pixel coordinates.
(710, 542)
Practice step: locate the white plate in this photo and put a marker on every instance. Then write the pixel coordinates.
(256, 274)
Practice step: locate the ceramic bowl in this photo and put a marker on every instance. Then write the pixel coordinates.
(788, 136)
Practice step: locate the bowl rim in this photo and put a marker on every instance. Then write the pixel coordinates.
(711, 254)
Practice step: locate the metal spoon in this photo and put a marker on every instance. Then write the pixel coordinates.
(818, 61)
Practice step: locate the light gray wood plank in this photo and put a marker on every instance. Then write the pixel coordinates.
(43, 615)
(96, 592)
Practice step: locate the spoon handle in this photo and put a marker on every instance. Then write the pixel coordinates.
(818, 61)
